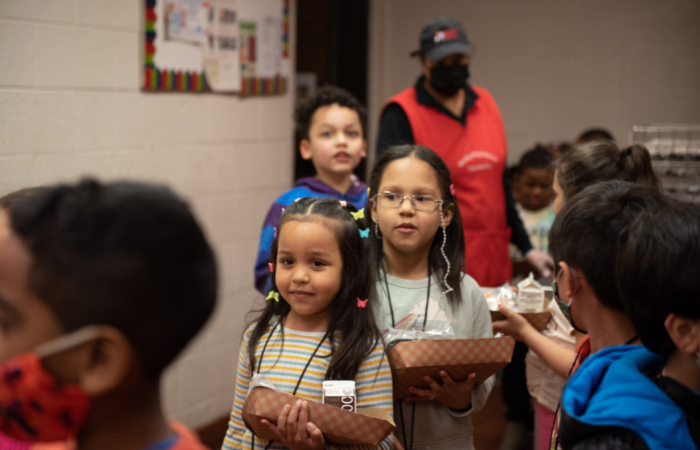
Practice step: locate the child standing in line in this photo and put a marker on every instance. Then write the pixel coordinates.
(417, 255)
(534, 181)
(627, 397)
(318, 324)
(84, 269)
(332, 124)
(549, 360)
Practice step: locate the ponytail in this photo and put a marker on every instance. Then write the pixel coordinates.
(635, 165)
(597, 161)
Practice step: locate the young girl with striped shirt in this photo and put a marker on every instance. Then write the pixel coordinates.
(318, 325)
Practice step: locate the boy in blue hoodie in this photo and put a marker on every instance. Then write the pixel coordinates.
(630, 397)
(332, 125)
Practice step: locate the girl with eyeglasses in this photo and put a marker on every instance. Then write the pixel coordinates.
(417, 256)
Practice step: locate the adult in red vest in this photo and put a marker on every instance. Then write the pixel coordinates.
(462, 123)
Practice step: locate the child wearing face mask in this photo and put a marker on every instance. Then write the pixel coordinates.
(549, 360)
(6, 204)
(318, 325)
(417, 255)
(627, 397)
(84, 270)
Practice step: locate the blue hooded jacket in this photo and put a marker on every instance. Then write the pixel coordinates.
(610, 395)
(304, 187)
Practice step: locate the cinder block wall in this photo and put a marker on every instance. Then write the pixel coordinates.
(71, 105)
(556, 67)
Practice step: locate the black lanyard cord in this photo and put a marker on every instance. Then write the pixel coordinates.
(393, 324)
(303, 372)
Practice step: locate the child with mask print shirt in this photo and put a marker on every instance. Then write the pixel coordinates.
(84, 270)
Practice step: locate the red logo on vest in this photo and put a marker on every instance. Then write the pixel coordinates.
(450, 34)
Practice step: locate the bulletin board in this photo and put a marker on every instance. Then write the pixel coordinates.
(221, 46)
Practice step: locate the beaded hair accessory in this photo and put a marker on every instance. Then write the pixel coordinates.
(442, 250)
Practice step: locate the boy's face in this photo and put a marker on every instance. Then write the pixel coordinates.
(336, 144)
(25, 320)
(535, 189)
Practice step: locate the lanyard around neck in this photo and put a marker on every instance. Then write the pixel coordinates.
(393, 324)
(427, 299)
(262, 355)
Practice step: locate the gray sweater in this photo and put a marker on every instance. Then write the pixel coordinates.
(437, 427)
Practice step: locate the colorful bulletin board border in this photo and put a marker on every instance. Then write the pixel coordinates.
(176, 81)
(285, 30)
(263, 86)
(166, 80)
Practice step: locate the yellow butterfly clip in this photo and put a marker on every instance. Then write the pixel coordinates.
(359, 214)
(273, 296)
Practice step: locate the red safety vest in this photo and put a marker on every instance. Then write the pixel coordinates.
(476, 156)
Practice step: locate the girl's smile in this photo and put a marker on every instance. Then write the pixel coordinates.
(308, 272)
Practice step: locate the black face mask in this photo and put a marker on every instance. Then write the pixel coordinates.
(447, 80)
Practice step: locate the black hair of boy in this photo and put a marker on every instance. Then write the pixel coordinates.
(125, 254)
(9, 201)
(584, 233)
(657, 271)
(594, 134)
(455, 235)
(326, 96)
(536, 158)
(351, 322)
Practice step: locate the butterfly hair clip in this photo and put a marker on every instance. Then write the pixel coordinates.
(359, 214)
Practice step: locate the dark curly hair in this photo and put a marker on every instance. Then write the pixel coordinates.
(327, 95)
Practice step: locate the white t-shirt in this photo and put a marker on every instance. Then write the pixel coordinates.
(543, 383)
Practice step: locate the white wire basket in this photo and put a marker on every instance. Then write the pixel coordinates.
(675, 153)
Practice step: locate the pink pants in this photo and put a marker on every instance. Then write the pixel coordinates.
(545, 420)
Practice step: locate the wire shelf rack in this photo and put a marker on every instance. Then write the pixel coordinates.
(675, 154)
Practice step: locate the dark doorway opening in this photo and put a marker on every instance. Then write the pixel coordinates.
(332, 40)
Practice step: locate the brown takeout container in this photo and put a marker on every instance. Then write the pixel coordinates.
(538, 320)
(367, 426)
(411, 361)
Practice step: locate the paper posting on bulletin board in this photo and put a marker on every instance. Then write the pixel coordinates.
(185, 21)
(217, 45)
(221, 59)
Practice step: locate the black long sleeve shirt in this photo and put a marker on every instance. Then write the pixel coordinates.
(395, 129)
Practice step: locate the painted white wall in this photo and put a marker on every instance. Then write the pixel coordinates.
(555, 67)
(71, 105)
